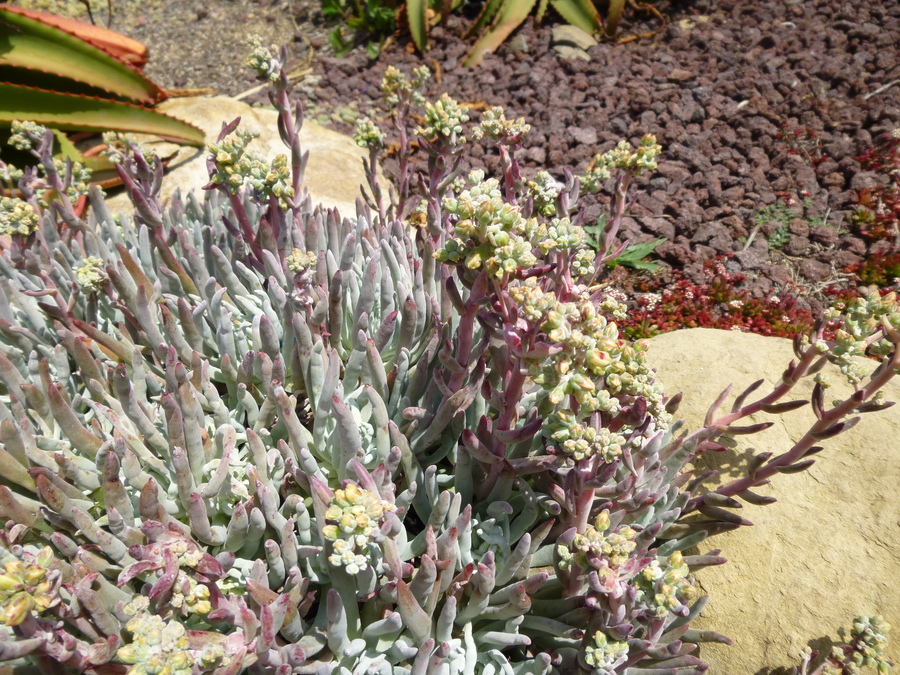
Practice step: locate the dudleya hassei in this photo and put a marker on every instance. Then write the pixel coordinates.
(242, 434)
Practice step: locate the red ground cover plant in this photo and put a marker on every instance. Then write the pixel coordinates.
(662, 305)
(878, 216)
(802, 141)
(880, 268)
(879, 207)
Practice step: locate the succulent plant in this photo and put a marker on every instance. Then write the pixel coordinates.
(244, 434)
(865, 649)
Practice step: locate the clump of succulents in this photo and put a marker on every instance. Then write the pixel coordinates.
(244, 434)
(866, 648)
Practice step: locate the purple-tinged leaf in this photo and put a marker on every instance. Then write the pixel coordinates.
(797, 467)
(781, 408)
(835, 429)
(739, 401)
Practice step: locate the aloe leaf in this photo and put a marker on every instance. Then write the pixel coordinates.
(103, 171)
(68, 150)
(125, 49)
(491, 7)
(513, 13)
(580, 13)
(613, 16)
(418, 26)
(75, 112)
(32, 45)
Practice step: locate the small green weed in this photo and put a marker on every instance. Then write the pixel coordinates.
(359, 20)
(782, 215)
(633, 256)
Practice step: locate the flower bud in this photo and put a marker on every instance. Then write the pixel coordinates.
(10, 582)
(17, 609)
(597, 360)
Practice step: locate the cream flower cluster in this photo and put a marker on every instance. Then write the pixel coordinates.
(262, 61)
(26, 135)
(236, 164)
(354, 517)
(495, 125)
(613, 548)
(366, 134)
(26, 586)
(631, 160)
(444, 118)
(17, 217)
(868, 637)
(490, 233)
(395, 86)
(158, 647)
(299, 261)
(664, 589)
(581, 441)
(91, 275)
(604, 655)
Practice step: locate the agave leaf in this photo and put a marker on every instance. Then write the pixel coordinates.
(76, 112)
(613, 16)
(580, 13)
(418, 24)
(33, 45)
(511, 16)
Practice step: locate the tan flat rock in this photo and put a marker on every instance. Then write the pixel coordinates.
(827, 551)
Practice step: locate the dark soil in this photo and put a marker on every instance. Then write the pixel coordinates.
(761, 108)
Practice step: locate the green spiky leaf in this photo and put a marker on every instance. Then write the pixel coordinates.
(511, 16)
(491, 7)
(418, 24)
(580, 13)
(28, 44)
(69, 112)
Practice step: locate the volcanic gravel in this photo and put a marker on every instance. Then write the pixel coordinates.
(756, 104)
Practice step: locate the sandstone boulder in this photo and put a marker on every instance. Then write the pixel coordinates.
(827, 551)
(333, 174)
